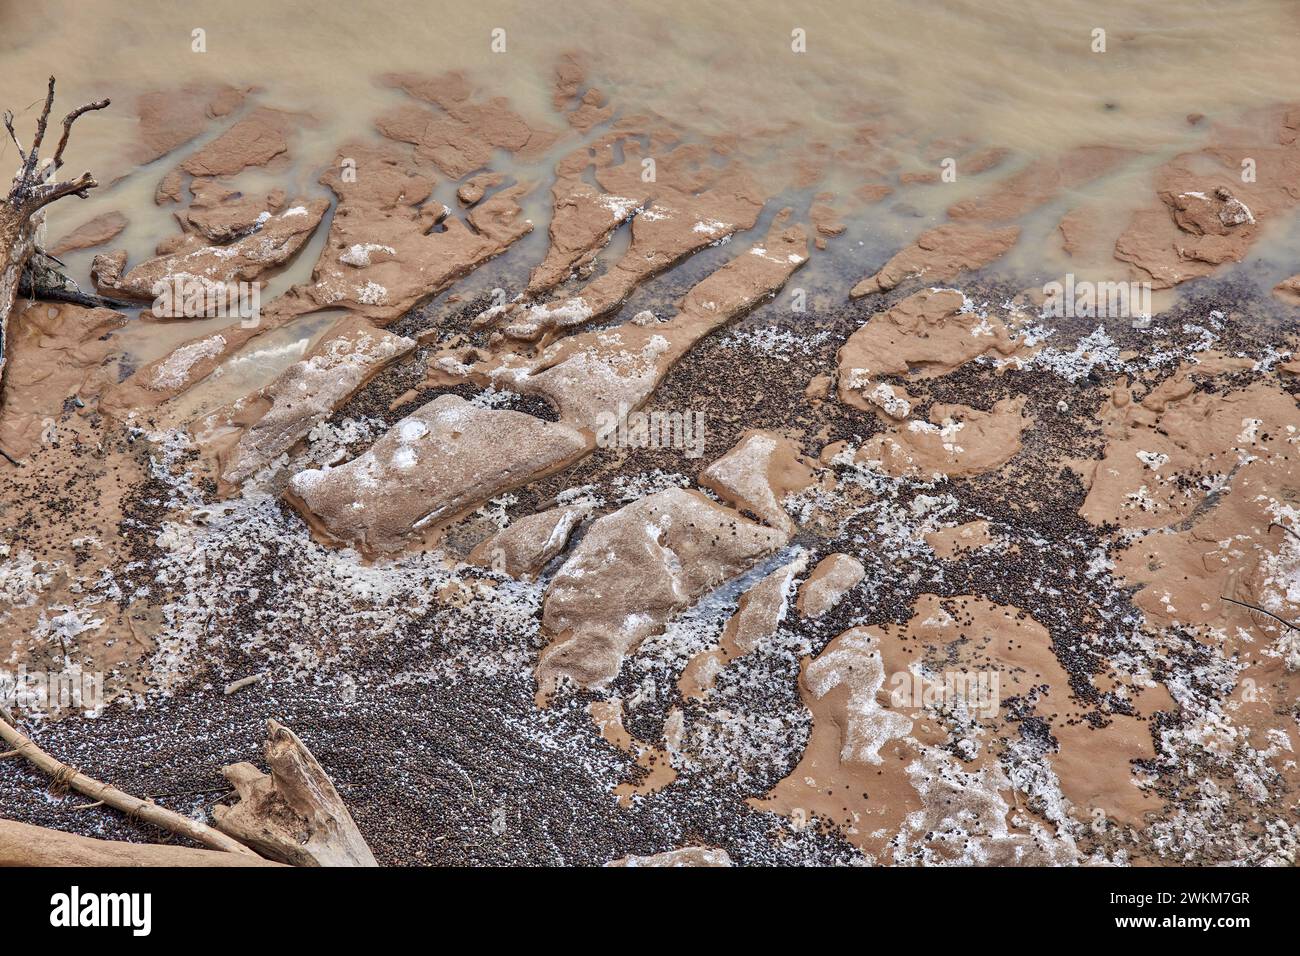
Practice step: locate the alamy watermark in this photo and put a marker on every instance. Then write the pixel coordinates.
(74, 908)
(632, 429)
(49, 692)
(976, 691)
(189, 297)
(1098, 300)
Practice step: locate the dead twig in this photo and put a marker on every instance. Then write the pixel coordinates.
(9, 125)
(461, 770)
(1289, 531)
(1255, 607)
(72, 297)
(72, 778)
(39, 196)
(67, 125)
(235, 687)
(29, 166)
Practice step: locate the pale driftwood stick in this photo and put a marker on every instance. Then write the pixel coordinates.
(235, 687)
(133, 806)
(293, 815)
(24, 845)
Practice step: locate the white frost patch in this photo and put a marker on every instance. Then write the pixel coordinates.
(65, 626)
(569, 312)
(855, 662)
(1095, 350)
(893, 404)
(23, 578)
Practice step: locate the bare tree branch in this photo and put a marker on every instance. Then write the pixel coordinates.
(46, 193)
(1276, 524)
(9, 125)
(30, 165)
(1254, 607)
(22, 202)
(30, 288)
(67, 127)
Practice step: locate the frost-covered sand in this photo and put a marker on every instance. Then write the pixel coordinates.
(410, 500)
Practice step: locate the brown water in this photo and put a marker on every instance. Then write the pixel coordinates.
(926, 79)
(1019, 73)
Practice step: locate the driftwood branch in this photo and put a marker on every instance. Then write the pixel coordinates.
(294, 814)
(42, 195)
(29, 167)
(72, 296)
(24, 845)
(67, 126)
(42, 280)
(96, 790)
(9, 125)
(32, 190)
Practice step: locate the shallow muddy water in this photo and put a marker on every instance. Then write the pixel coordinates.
(1021, 74)
(923, 80)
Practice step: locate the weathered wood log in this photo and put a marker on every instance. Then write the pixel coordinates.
(144, 810)
(293, 815)
(17, 240)
(22, 210)
(24, 845)
(41, 280)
